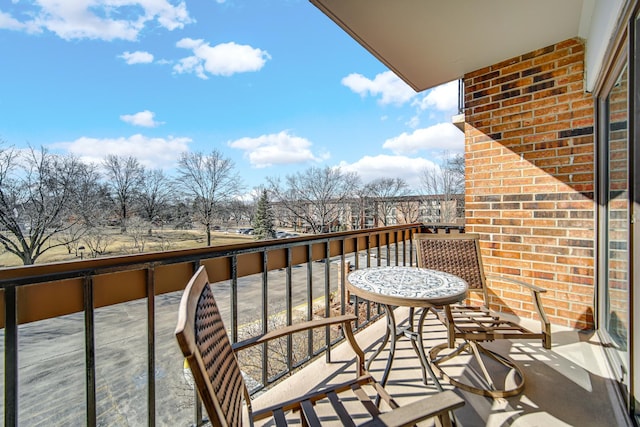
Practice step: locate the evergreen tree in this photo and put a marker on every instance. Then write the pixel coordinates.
(263, 222)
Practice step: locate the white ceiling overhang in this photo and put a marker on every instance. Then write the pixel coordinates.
(430, 42)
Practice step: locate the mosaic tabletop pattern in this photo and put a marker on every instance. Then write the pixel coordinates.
(410, 283)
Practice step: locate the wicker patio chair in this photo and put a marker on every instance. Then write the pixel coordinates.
(459, 254)
(218, 378)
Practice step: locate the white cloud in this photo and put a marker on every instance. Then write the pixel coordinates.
(154, 153)
(442, 136)
(385, 166)
(224, 59)
(7, 22)
(99, 19)
(144, 118)
(387, 85)
(276, 149)
(137, 57)
(443, 97)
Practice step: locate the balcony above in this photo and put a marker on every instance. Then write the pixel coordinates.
(430, 42)
(458, 121)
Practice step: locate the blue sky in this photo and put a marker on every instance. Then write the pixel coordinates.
(273, 84)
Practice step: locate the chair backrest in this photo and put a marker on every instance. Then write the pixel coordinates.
(457, 254)
(206, 346)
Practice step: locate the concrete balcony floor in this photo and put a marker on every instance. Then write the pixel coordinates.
(568, 385)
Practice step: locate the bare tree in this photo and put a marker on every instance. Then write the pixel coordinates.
(155, 193)
(138, 232)
(385, 193)
(125, 177)
(211, 181)
(180, 214)
(443, 179)
(70, 238)
(317, 196)
(238, 211)
(91, 206)
(409, 210)
(97, 241)
(361, 208)
(37, 195)
(93, 199)
(446, 181)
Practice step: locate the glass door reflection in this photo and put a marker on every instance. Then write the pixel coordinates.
(615, 292)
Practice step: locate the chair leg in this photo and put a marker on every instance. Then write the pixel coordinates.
(476, 349)
(444, 421)
(483, 368)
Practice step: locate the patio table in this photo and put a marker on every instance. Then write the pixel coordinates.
(411, 287)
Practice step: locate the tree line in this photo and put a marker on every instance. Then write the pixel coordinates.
(50, 200)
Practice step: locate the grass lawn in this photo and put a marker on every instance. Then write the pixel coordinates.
(122, 244)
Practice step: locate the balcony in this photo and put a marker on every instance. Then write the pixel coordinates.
(566, 386)
(84, 344)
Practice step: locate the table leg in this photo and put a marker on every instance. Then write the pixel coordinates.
(412, 335)
(391, 329)
(391, 335)
(425, 363)
(423, 357)
(385, 340)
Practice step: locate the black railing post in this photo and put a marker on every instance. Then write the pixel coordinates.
(411, 232)
(309, 299)
(368, 252)
(234, 299)
(90, 351)
(396, 257)
(289, 304)
(327, 291)
(265, 316)
(343, 279)
(10, 357)
(151, 346)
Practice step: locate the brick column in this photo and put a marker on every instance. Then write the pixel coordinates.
(529, 150)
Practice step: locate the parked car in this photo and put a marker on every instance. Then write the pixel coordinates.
(285, 234)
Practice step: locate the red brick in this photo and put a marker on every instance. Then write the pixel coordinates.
(529, 158)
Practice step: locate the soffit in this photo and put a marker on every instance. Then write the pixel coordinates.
(430, 42)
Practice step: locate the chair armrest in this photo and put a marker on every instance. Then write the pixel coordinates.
(345, 319)
(534, 288)
(537, 300)
(292, 329)
(438, 405)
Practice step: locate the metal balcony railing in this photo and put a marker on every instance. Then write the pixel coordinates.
(91, 342)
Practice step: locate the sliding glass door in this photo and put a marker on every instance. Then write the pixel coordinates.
(618, 195)
(614, 244)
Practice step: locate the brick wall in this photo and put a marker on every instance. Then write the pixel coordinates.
(529, 150)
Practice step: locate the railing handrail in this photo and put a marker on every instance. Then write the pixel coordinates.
(39, 273)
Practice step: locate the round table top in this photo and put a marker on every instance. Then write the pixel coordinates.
(407, 286)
